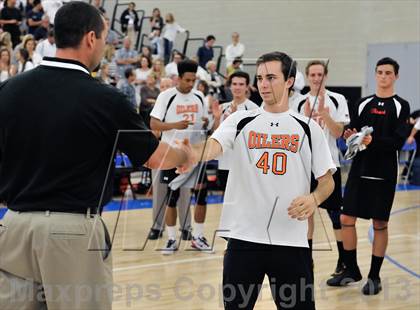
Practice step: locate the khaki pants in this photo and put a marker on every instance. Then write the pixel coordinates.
(54, 260)
(159, 194)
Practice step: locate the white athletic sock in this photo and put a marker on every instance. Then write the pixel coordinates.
(198, 230)
(171, 232)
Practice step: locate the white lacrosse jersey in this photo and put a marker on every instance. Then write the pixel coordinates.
(173, 106)
(225, 159)
(339, 112)
(274, 155)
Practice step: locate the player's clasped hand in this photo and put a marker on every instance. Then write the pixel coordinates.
(302, 207)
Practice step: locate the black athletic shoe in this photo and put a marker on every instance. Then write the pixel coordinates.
(339, 269)
(186, 235)
(154, 234)
(372, 287)
(345, 278)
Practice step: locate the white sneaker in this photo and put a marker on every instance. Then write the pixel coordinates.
(201, 244)
(170, 247)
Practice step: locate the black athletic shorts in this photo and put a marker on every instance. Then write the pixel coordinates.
(335, 201)
(368, 199)
(289, 270)
(166, 176)
(222, 176)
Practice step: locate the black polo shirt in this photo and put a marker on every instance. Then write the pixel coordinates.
(58, 127)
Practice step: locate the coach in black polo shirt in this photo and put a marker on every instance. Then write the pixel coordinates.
(58, 129)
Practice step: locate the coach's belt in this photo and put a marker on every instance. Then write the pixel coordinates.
(88, 211)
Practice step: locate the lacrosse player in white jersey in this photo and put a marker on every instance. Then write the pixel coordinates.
(180, 113)
(238, 83)
(268, 199)
(330, 110)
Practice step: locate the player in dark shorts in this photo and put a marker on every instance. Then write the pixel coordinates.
(370, 187)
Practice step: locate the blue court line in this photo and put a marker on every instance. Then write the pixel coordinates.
(393, 261)
(114, 205)
(147, 203)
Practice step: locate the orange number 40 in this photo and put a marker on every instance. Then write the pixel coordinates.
(276, 167)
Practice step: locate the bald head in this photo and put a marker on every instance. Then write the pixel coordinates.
(165, 83)
(127, 43)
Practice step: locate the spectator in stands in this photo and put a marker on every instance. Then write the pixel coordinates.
(165, 83)
(11, 18)
(172, 67)
(6, 41)
(205, 53)
(201, 72)
(129, 21)
(235, 66)
(42, 31)
(7, 70)
(103, 74)
(213, 79)
(126, 86)
(156, 42)
(234, 50)
(169, 34)
(34, 17)
(156, 20)
(143, 71)
(174, 78)
(148, 94)
(146, 51)
(159, 70)
(205, 89)
(30, 45)
(24, 64)
(46, 47)
(27, 8)
(51, 7)
(112, 37)
(110, 59)
(97, 4)
(126, 57)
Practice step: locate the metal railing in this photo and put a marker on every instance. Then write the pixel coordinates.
(140, 29)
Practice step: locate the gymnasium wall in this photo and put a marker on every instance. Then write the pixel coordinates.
(339, 30)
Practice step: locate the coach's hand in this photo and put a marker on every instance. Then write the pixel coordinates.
(302, 207)
(181, 124)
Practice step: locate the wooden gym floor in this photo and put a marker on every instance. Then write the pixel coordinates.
(145, 279)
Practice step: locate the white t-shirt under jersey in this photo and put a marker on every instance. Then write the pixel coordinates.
(226, 158)
(272, 166)
(182, 107)
(339, 112)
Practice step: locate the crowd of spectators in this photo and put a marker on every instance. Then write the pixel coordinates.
(27, 35)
